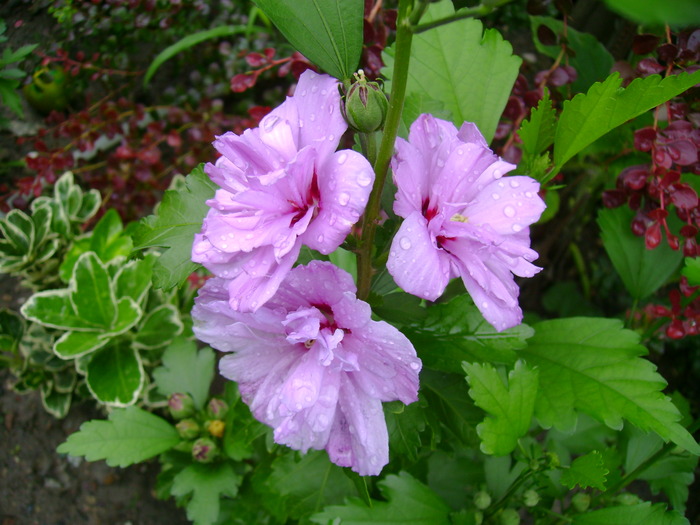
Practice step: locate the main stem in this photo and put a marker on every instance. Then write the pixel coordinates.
(399, 78)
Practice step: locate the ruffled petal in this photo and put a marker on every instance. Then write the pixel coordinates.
(345, 181)
(412, 178)
(316, 283)
(415, 262)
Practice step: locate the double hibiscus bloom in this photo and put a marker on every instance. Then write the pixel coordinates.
(308, 358)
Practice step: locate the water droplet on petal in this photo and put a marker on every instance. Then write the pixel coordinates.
(314, 89)
(301, 123)
(342, 158)
(224, 246)
(331, 137)
(514, 183)
(484, 304)
(497, 174)
(343, 199)
(364, 178)
(324, 92)
(320, 238)
(495, 196)
(517, 228)
(249, 236)
(270, 122)
(415, 366)
(528, 194)
(509, 211)
(405, 243)
(501, 185)
(312, 117)
(303, 93)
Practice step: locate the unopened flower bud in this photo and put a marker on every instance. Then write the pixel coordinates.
(509, 517)
(180, 405)
(217, 408)
(216, 427)
(204, 450)
(188, 429)
(531, 498)
(365, 105)
(581, 501)
(482, 500)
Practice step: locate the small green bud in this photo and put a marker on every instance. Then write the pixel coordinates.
(365, 105)
(509, 517)
(217, 408)
(180, 405)
(478, 517)
(482, 500)
(188, 429)
(581, 501)
(204, 450)
(552, 460)
(531, 498)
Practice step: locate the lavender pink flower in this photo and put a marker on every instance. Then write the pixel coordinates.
(283, 185)
(462, 219)
(312, 363)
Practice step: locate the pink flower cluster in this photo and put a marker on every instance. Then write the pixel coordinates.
(305, 352)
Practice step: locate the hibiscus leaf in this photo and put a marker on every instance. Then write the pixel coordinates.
(206, 484)
(642, 271)
(537, 134)
(595, 366)
(408, 501)
(308, 484)
(186, 370)
(405, 425)
(177, 219)
(131, 435)
(631, 515)
(684, 13)
(327, 32)
(586, 471)
(510, 406)
(459, 64)
(587, 117)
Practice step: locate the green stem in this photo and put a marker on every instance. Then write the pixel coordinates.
(386, 148)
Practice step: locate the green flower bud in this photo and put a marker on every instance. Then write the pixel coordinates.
(531, 498)
(580, 502)
(217, 408)
(482, 500)
(204, 450)
(188, 429)
(365, 105)
(180, 405)
(509, 517)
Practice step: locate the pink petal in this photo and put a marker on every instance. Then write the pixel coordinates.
(415, 262)
(345, 181)
(314, 284)
(412, 178)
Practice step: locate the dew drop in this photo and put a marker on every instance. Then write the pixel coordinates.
(249, 236)
(415, 366)
(497, 174)
(342, 158)
(364, 179)
(460, 151)
(331, 109)
(405, 243)
(270, 122)
(320, 238)
(440, 163)
(516, 228)
(312, 117)
(301, 123)
(495, 196)
(303, 93)
(501, 185)
(514, 184)
(331, 137)
(484, 304)
(224, 246)
(324, 92)
(314, 89)
(343, 199)
(509, 211)
(528, 194)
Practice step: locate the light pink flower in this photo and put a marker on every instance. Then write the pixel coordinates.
(282, 185)
(462, 219)
(312, 363)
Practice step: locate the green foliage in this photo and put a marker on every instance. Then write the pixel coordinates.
(679, 13)
(510, 406)
(589, 57)
(10, 77)
(405, 425)
(328, 33)
(178, 218)
(691, 270)
(537, 134)
(456, 331)
(587, 117)
(186, 370)
(631, 515)
(459, 64)
(408, 501)
(205, 485)
(131, 435)
(586, 471)
(594, 365)
(642, 271)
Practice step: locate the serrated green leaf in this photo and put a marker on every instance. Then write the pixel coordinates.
(587, 117)
(207, 484)
(186, 370)
(130, 436)
(595, 365)
(75, 344)
(586, 471)
(631, 515)
(159, 327)
(679, 13)
(537, 134)
(691, 270)
(456, 331)
(308, 484)
(588, 56)
(510, 406)
(408, 501)
(115, 375)
(179, 217)
(52, 308)
(91, 292)
(642, 271)
(327, 32)
(459, 64)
